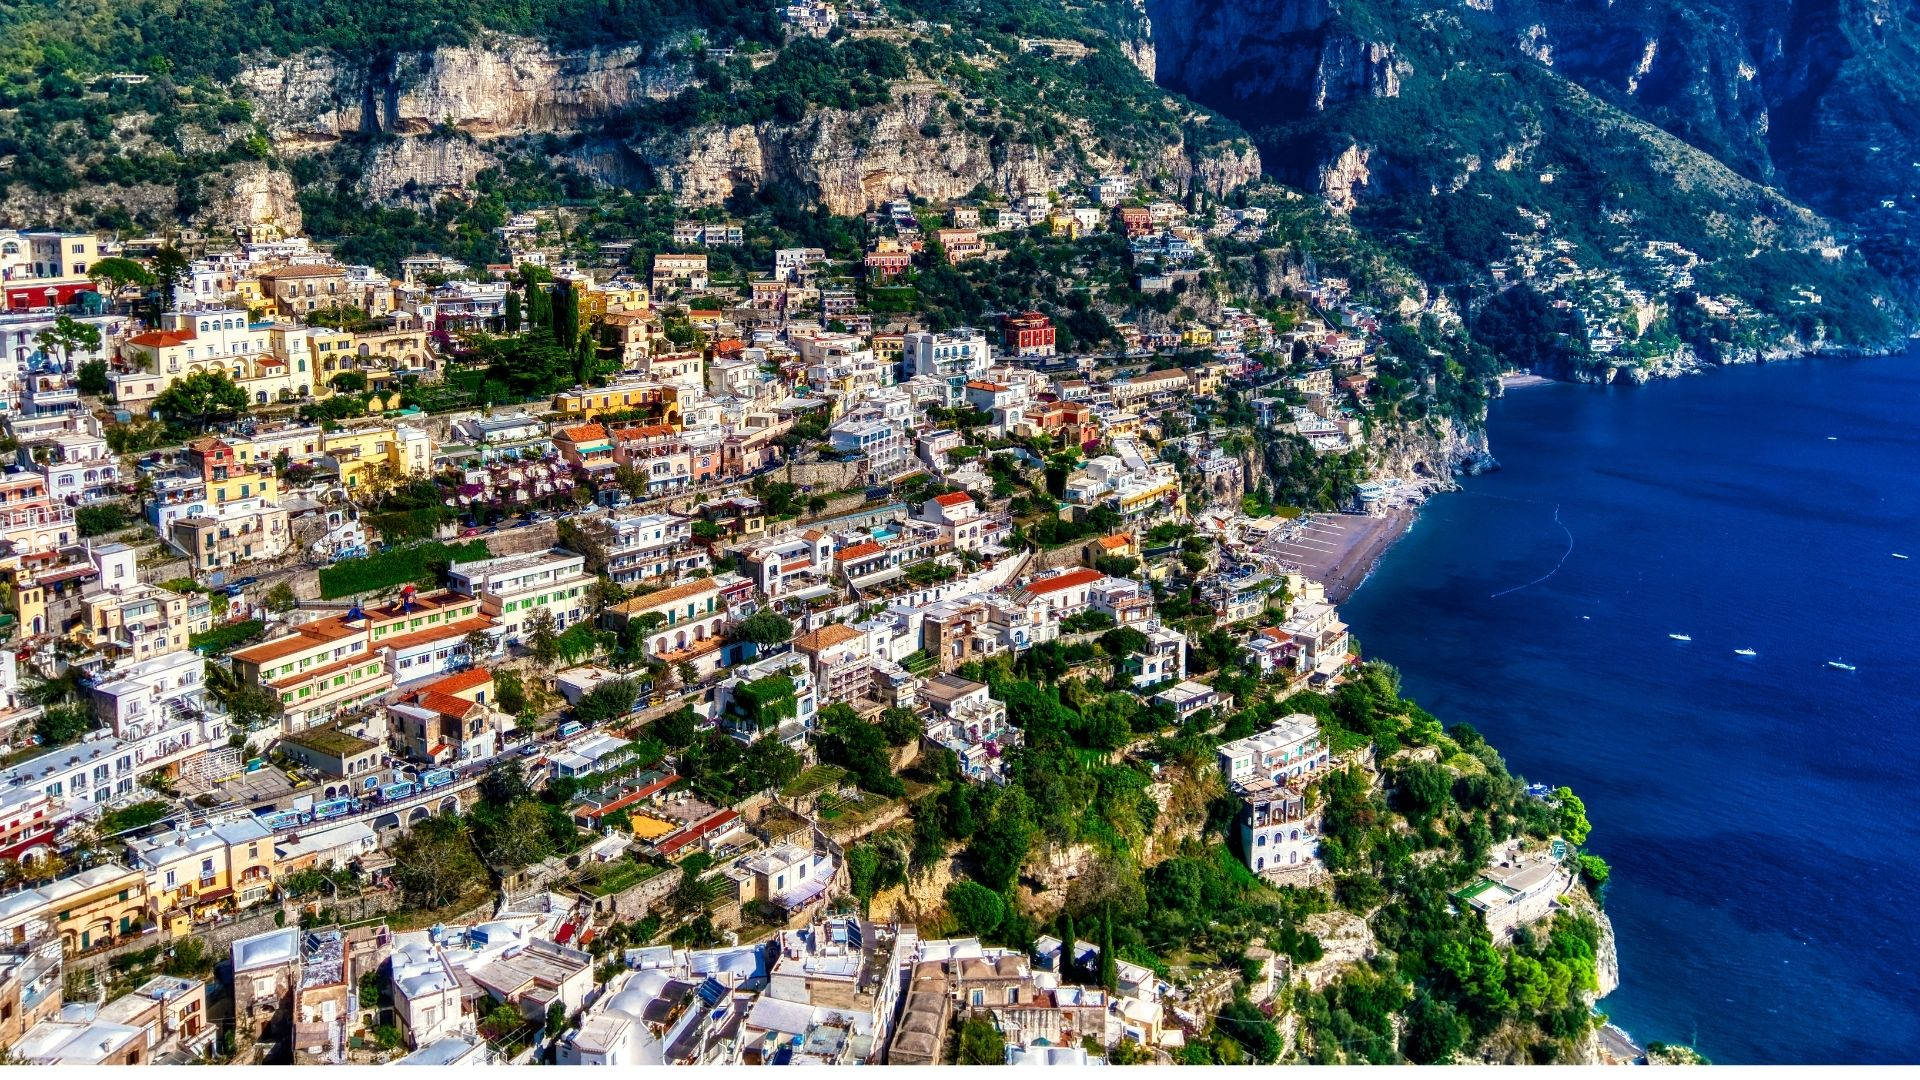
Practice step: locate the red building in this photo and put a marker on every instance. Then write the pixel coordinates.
(884, 265)
(1028, 334)
(1135, 221)
(37, 293)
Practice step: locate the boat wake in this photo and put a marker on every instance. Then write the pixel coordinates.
(1556, 566)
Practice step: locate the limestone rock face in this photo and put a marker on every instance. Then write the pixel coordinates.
(1343, 177)
(443, 108)
(502, 86)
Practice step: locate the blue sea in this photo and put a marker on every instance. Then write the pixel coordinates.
(1759, 814)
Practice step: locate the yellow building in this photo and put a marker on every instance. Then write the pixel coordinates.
(97, 905)
(408, 451)
(621, 397)
(210, 867)
(1196, 335)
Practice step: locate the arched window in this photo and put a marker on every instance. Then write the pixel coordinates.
(1259, 864)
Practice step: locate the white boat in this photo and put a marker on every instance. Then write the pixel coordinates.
(1897, 555)
(1681, 637)
(1745, 652)
(1841, 665)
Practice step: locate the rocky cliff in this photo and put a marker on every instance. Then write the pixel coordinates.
(426, 124)
(1818, 98)
(500, 86)
(1283, 58)
(850, 161)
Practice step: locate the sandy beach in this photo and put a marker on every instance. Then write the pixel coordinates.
(1340, 550)
(1516, 382)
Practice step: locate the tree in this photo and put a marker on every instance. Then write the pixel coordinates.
(1570, 816)
(348, 382)
(434, 864)
(608, 701)
(542, 640)
(281, 597)
(520, 838)
(93, 379)
(978, 909)
(476, 644)
(1109, 962)
(1434, 1031)
(513, 312)
(1423, 790)
(118, 273)
(770, 764)
(170, 268)
(68, 335)
(200, 400)
(678, 728)
(764, 628)
(566, 314)
(1116, 565)
(981, 1043)
(509, 693)
(1245, 1025)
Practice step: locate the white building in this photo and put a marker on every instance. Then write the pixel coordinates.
(952, 356)
(512, 588)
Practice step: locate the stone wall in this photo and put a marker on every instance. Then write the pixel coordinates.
(536, 537)
(826, 475)
(637, 901)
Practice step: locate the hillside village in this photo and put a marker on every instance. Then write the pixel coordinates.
(699, 663)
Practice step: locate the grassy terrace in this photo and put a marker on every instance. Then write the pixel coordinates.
(617, 876)
(815, 779)
(398, 566)
(224, 639)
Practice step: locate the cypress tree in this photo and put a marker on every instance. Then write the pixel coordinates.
(513, 312)
(1067, 972)
(566, 314)
(1109, 971)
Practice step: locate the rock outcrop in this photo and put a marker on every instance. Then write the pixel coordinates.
(437, 115)
(1287, 57)
(501, 86)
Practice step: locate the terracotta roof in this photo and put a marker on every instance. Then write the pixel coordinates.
(303, 272)
(826, 637)
(1068, 580)
(462, 682)
(422, 604)
(642, 604)
(160, 339)
(205, 443)
(305, 636)
(954, 498)
(643, 431)
(584, 433)
(437, 633)
(976, 384)
(1117, 540)
(857, 551)
(444, 704)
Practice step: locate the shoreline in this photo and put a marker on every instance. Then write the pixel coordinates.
(1357, 565)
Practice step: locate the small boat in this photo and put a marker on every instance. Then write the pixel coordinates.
(1681, 637)
(1841, 665)
(1833, 438)
(1897, 555)
(1745, 652)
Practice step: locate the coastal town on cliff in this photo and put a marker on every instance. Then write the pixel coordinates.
(812, 535)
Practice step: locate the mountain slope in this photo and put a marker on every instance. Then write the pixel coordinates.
(1820, 98)
(1487, 168)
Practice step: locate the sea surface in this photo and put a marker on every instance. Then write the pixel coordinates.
(1759, 814)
